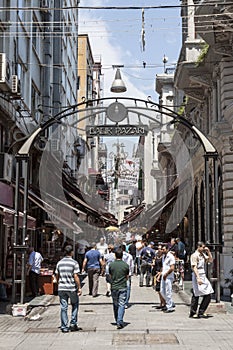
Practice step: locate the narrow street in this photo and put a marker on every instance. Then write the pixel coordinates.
(146, 327)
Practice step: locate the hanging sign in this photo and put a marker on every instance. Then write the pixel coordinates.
(117, 130)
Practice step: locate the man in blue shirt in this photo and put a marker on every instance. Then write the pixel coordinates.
(93, 262)
(146, 257)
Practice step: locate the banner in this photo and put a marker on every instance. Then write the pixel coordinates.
(129, 173)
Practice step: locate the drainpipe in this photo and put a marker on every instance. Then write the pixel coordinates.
(57, 56)
(46, 102)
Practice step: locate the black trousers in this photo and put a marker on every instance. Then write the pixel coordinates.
(33, 281)
(203, 306)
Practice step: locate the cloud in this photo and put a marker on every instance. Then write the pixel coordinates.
(110, 51)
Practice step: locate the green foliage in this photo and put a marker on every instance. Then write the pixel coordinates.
(202, 55)
(181, 109)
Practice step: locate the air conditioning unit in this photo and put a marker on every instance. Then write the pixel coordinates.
(6, 166)
(15, 84)
(5, 73)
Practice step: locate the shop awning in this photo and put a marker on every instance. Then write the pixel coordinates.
(8, 218)
(133, 214)
(57, 219)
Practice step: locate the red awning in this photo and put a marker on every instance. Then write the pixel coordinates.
(8, 218)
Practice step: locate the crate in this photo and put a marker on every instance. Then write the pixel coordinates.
(19, 309)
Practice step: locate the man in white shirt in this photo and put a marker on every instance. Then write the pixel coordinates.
(34, 266)
(102, 247)
(128, 259)
(168, 261)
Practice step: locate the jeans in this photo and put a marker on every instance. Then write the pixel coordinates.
(145, 269)
(74, 300)
(93, 280)
(128, 291)
(119, 299)
(166, 291)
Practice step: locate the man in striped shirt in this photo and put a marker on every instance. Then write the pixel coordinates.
(67, 270)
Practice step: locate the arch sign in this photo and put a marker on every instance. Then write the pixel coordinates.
(94, 121)
(120, 117)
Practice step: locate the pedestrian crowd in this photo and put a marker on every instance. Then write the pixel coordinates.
(118, 264)
(156, 267)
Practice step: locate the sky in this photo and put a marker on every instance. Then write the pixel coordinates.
(115, 37)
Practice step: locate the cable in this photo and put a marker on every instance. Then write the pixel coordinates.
(78, 7)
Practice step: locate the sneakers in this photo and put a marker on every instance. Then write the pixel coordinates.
(168, 311)
(164, 308)
(65, 330)
(193, 316)
(120, 326)
(203, 316)
(75, 328)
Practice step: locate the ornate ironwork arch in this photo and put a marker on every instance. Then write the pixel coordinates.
(116, 112)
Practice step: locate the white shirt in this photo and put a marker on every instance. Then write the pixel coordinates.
(35, 260)
(128, 259)
(102, 248)
(168, 260)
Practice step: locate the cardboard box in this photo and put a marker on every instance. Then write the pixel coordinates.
(19, 309)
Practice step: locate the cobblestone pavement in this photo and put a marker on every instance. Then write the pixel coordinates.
(146, 327)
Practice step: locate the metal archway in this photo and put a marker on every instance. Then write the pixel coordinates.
(116, 111)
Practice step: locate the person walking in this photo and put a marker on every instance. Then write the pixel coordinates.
(119, 273)
(201, 284)
(128, 259)
(108, 258)
(181, 249)
(157, 272)
(34, 266)
(93, 262)
(102, 247)
(147, 256)
(168, 262)
(69, 287)
(132, 251)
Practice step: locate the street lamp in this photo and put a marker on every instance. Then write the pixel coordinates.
(118, 85)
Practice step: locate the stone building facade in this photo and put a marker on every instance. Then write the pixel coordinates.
(205, 75)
